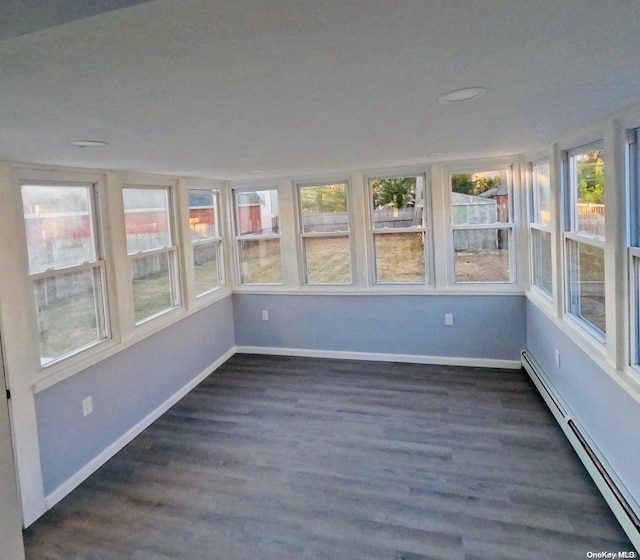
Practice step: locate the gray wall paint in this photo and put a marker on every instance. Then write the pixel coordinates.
(484, 327)
(125, 388)
(608, 413)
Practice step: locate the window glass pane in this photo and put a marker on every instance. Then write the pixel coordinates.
(480, 198)
(58, 225)
(324, 208)
(589, 185)
(481, 255)
(152, 285)
(399, 257)
(146, 219)
(205, 263)
(202, 214)
(257, 212)
(260, 261)
(70, 313)
(398, 202)
(542, 193)
(586, 283)
(327, 260)
(541, 259)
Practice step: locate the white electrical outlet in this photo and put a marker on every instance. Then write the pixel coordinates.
(448, 319)
(557, 357)
(87, 406)
(265, 315)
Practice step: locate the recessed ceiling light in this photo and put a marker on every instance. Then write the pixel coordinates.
(89, 143)
(436, 154)
(257, 171)
(464, 94)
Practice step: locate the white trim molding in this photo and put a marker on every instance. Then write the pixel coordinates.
(92, 466)
(380, 357)
(619, 499)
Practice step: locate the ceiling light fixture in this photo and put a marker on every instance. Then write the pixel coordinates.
(464, 94)
(257, 171)
(89, 143)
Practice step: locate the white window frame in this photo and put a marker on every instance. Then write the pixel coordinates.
(170, 250)
(510, 226)
(633, 248)
(239, 238)
(302, 235)
(571, 234)
(216, 242)
(535, 225)
(425, 230)
(97, 266)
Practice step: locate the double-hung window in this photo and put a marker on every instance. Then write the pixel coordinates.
(399, 228)
(153, 254)
(540, 226)
(325, 233)
(66, 267)
(257, 228)
(482, 226)
(584, 237)
(206, 240)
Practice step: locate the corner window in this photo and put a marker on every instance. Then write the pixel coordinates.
(325, 233)
(482, 226)
(258, 236)
(206, 240)
(399, 229)
(66, 267)
(152, 250)
(584, 237)
(540, 227)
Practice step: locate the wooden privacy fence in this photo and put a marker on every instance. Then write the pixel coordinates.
(591, 218)
(585, 209)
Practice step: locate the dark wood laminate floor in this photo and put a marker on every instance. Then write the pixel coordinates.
(294, 458)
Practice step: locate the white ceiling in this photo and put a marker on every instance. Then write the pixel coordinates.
(295, 87)
(20, 17)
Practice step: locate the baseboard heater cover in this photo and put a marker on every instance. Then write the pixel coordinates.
(635, 521)
(535, 371)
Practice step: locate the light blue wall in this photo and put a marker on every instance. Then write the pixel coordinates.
(609, 414)
(491, 327)
(129, 385)
(125, 388)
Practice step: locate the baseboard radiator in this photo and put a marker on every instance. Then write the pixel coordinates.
(605, 481)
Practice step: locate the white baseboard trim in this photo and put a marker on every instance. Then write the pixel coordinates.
(566, 418)
(93, 465)
(380, 357)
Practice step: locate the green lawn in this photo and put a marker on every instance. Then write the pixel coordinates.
(66, 324)
(69, 324)
(151, 295)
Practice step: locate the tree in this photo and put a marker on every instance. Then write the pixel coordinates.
(462, 183)
(396, 193)
(475, 184)
(484, 183)
(590, 171)
(324, 198)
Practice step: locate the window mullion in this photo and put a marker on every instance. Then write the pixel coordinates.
(51, 272)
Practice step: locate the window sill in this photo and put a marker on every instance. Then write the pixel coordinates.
(628, 379)
(380, 290)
